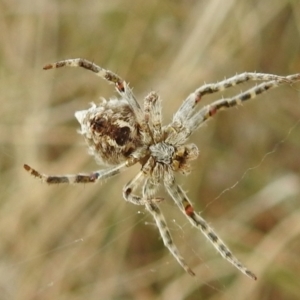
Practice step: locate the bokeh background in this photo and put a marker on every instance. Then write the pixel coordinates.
(85, 242)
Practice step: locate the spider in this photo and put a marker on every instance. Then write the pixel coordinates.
(120, 133)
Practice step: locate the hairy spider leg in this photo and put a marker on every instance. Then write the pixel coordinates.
(120, 84)
(83, 178)
(186, 108)
(77, 178)
(197, 221)
(210, 110)
(153, 116)
(132, 185)
(149, 192)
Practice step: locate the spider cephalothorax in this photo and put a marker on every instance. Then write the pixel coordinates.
(120, 133)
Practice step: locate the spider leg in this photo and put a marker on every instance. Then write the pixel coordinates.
(197, 221)
(131, 186)
(186, 109)
(121, 86)
(210, 110)
(81, 178)
(149, 190)
(83, 63)
(152, 114)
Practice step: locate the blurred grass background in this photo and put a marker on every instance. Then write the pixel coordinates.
(85, 242)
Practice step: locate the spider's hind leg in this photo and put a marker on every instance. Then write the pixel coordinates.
(88, 65)
(77, 178)
(120, 84)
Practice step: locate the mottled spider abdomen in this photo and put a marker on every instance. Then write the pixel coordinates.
(111, 130)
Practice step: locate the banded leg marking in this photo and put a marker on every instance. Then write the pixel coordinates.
(197, 221)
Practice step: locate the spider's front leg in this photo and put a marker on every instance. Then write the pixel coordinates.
(186, 121)
(197, 221)
(187, 107)
(149, 191)
(210, 110)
